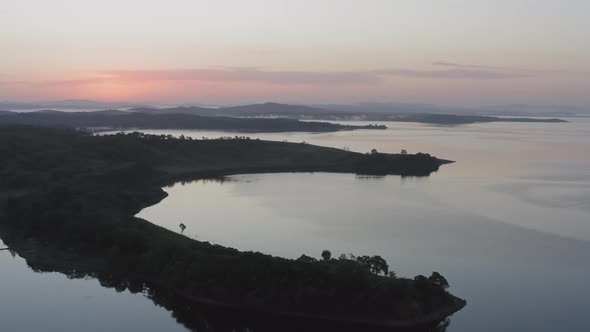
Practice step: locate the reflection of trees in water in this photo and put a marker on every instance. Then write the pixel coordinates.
(213, 179)
(206, 318)
(366, 177)
(411, 178)
(370, 177)
(403, 178)
(202, 317)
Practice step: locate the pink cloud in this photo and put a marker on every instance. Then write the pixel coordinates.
(336, 78)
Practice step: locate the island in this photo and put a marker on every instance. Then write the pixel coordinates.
(68, 201)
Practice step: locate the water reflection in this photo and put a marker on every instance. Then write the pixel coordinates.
(370, 177)
(213, 179)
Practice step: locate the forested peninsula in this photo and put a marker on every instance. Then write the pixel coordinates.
(68, 201)
(121, 120)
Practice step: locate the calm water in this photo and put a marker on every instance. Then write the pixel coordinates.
(508, 225)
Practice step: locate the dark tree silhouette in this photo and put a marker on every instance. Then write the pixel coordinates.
(438, 279)
(326, 255)
(182, 228)
(404, 152)
(375, 264)
(307, 259)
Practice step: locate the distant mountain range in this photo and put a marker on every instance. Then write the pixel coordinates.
(415, 108)
(299, 112)
(374, 112)
(313, 109)
(253, 110)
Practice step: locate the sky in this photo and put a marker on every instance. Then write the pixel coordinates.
(452, 52)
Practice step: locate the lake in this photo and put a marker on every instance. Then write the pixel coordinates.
(508, 224)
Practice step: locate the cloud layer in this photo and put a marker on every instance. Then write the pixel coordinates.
(256, 75)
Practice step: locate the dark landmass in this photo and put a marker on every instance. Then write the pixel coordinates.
(254, 110)
(536, 110)
(424, 108)
(397, 108)
(267, 117)
(446, 119)
(121, 120)
(346, 114)
(68, 200)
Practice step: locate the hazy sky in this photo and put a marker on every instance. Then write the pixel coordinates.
(464, 52)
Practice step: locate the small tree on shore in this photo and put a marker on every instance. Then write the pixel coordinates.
(326, 255)
(182, 227)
